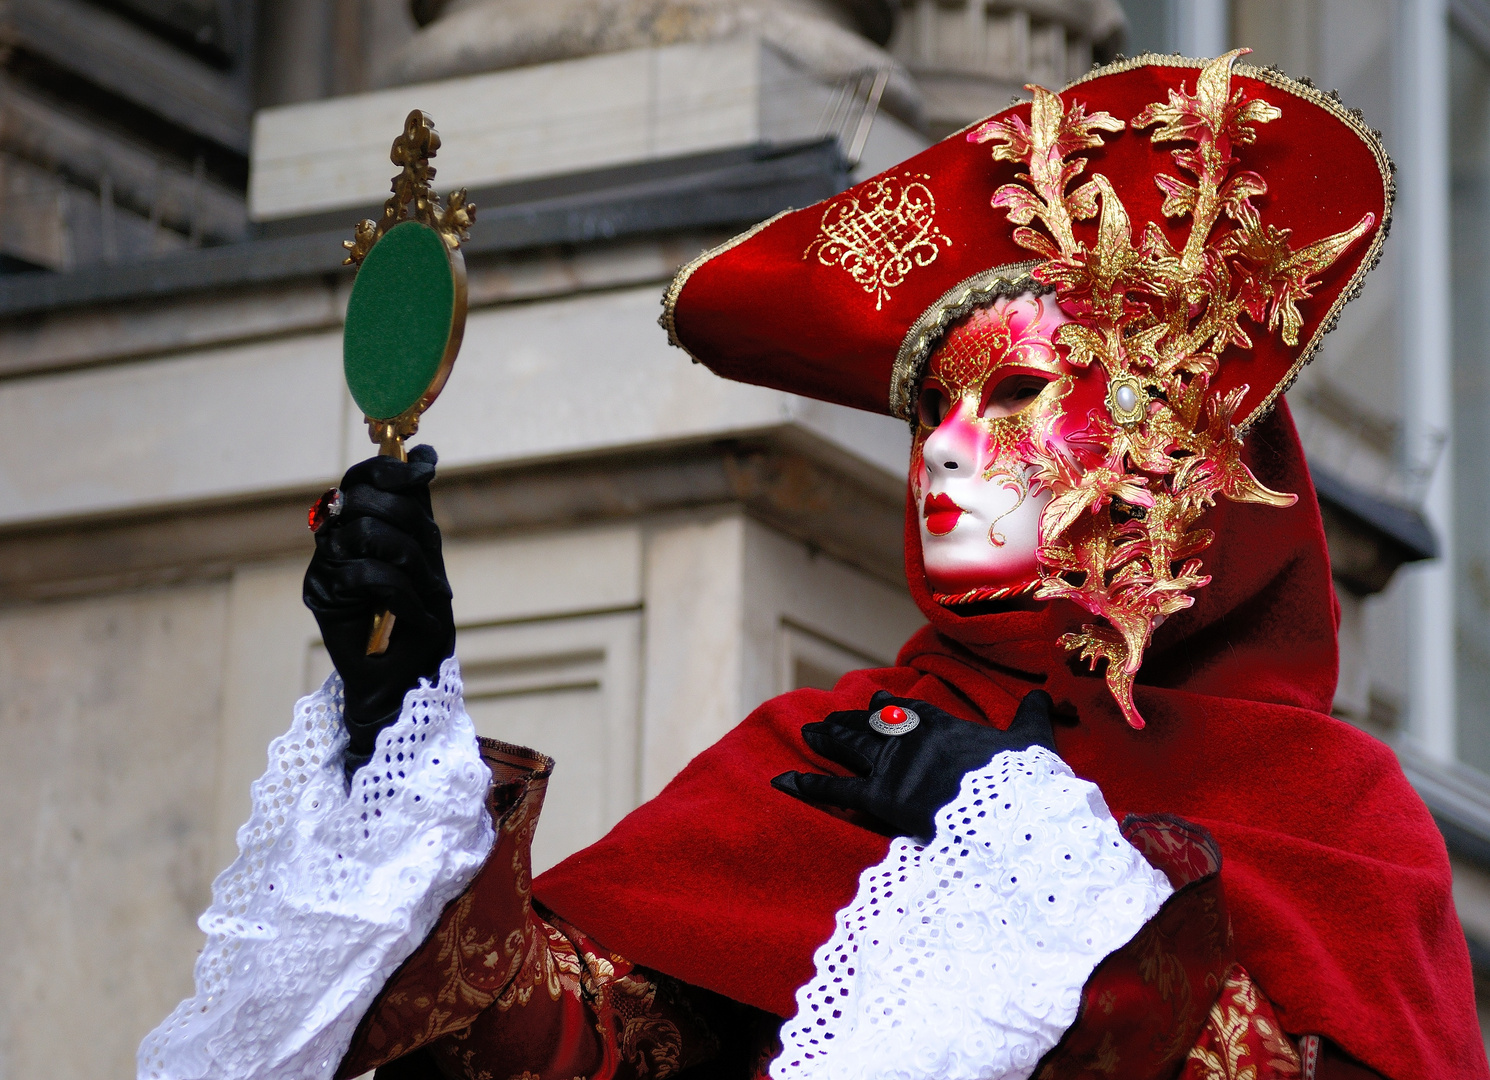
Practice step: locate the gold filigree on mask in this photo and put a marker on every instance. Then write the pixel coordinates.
(927, 332)
(881, 233)
(1010, 439)
(1015, 481)
(1118, 537)
(967, 361)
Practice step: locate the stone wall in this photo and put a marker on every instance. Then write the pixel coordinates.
(112, 725)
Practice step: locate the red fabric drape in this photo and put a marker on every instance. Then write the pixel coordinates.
(1335, 875)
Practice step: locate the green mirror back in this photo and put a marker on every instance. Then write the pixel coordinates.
(400, 322)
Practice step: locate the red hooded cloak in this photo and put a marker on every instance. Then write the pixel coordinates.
(1336, 878)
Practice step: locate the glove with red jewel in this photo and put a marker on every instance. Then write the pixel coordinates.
(908, 758)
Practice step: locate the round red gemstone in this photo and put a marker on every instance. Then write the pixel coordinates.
(893, 714)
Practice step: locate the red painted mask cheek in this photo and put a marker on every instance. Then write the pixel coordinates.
(979, 517)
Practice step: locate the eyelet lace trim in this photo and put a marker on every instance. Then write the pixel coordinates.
(331, 891)
(964, 959)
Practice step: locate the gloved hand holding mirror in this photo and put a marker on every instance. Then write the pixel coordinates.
(377, 583)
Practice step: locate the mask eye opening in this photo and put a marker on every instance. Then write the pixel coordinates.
(932, 405)
(1014, 393)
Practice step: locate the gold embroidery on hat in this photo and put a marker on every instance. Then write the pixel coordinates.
(881, 233)
(1330, 102)
(1118, 537)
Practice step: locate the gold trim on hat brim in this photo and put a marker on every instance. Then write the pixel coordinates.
(668, 319)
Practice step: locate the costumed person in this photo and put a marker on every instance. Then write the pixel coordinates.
(1096, 822)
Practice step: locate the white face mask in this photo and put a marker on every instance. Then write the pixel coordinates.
(991, 387)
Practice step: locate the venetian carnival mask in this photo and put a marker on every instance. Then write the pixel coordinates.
(992, 391)
(1082, 305)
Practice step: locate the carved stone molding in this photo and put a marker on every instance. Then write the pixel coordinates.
(832, 40)
(875, 18)
(789, 480)
(969, 57)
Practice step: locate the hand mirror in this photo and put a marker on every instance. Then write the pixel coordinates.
(407, 310)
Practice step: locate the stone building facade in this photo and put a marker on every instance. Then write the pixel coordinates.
(640, 551)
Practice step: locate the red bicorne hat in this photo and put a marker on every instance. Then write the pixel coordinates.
(1202, 222)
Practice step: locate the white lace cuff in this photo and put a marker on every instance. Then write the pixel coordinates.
(965, 959)
(330, 892)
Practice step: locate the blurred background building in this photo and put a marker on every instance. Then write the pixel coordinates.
(641, 552)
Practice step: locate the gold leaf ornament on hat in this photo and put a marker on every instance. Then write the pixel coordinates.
(1117, 538)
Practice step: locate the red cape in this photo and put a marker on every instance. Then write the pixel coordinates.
(1336, 878)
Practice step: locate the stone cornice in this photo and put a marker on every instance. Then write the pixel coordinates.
(785, 477)
(715, 190)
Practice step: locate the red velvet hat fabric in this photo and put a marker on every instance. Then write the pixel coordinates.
(819, 301)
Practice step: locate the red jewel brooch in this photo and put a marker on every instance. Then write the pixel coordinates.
(893, 720)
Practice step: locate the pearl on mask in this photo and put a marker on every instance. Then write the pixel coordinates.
(1125, 399)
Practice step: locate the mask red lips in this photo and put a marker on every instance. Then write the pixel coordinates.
(941, 514)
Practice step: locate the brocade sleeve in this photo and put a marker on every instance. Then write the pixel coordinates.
(502, 987)
(1242, 1038)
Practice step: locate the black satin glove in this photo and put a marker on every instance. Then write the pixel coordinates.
(381, 552)
(903, 780)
